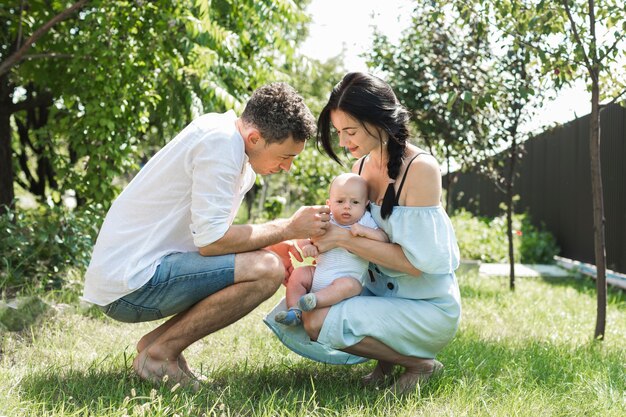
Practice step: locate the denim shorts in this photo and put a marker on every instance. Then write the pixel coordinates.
(179, 282)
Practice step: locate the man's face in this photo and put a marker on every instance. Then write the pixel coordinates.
(271, 158)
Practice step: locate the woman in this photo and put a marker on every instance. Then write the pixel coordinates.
(411, 308)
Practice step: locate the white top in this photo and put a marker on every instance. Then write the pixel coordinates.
(339, 262)
(184, 198)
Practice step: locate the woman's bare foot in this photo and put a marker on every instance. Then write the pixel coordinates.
(158, 371)
(413, 376)
(379, 374)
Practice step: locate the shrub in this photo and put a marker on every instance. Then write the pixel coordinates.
(537, 246)
(42, 247)
(485, 239)
(478, 238)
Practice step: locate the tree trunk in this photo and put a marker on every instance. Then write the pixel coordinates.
(452, 180)
(509, 210)
(448, 183)
(7, 193)
(598, 209)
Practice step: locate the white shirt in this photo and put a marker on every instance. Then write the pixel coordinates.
(184, 198)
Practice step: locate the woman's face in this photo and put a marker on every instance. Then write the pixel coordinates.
(352, 134)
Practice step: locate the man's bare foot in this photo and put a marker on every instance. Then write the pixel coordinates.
(160, 371)
(145, 341)
(379, 374)
(413, 376)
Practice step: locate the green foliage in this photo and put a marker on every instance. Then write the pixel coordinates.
(485, 239)
(311, 176)
(22, 313)
(114, 82)
(40, 248)
(537, 246)
(433, 70)
(480, 238)
(273, 207)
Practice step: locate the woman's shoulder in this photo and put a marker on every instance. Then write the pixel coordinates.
(421, 159)
(358, 165)
(422, 185)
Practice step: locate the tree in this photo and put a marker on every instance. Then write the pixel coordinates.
(598, 55)
(101, 89)
(13, 52)
(435, 70)
(472, 80)
(515, 90)
(578, 39)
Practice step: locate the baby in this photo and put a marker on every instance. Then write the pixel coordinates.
(338, 273)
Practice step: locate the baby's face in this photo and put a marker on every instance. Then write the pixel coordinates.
(348, 201)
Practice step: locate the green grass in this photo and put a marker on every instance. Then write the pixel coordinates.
(528, 353)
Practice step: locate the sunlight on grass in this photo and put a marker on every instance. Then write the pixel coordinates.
(526, 353)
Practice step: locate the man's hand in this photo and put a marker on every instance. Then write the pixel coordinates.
(309, 221)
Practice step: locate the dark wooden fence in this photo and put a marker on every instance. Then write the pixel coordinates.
(554, 184)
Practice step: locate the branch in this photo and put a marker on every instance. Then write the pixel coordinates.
(19, 29)
(612, 47)
(18, 55)
(520, 36)
(47, 55)
(578, 39)
(21, 157)
(42, 99)
(614, 99)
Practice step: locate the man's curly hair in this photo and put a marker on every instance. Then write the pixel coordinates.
(278, 111)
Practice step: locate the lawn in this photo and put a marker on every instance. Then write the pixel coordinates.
(527, 353)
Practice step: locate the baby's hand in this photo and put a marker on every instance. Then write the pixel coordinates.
(310, 251)
(357, 230)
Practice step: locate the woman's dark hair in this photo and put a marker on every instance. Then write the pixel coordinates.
(369, 99)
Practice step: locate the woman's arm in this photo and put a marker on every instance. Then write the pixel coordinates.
(422, 188)
(389, 255)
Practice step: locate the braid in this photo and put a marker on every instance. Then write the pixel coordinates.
(396, 146)
(368, 99)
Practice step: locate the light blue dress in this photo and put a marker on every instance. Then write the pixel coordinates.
(415, 316)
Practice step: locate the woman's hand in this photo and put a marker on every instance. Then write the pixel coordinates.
(333, 238)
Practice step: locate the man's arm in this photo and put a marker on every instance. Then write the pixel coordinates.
(306, 222)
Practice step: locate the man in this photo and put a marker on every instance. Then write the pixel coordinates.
(168, 247)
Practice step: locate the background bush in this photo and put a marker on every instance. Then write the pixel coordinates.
(43, 248)
(485, 239)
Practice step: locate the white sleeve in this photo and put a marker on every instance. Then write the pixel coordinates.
(216, 174)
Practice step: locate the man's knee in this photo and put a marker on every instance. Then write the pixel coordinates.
(260, 266)
(270, 266)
